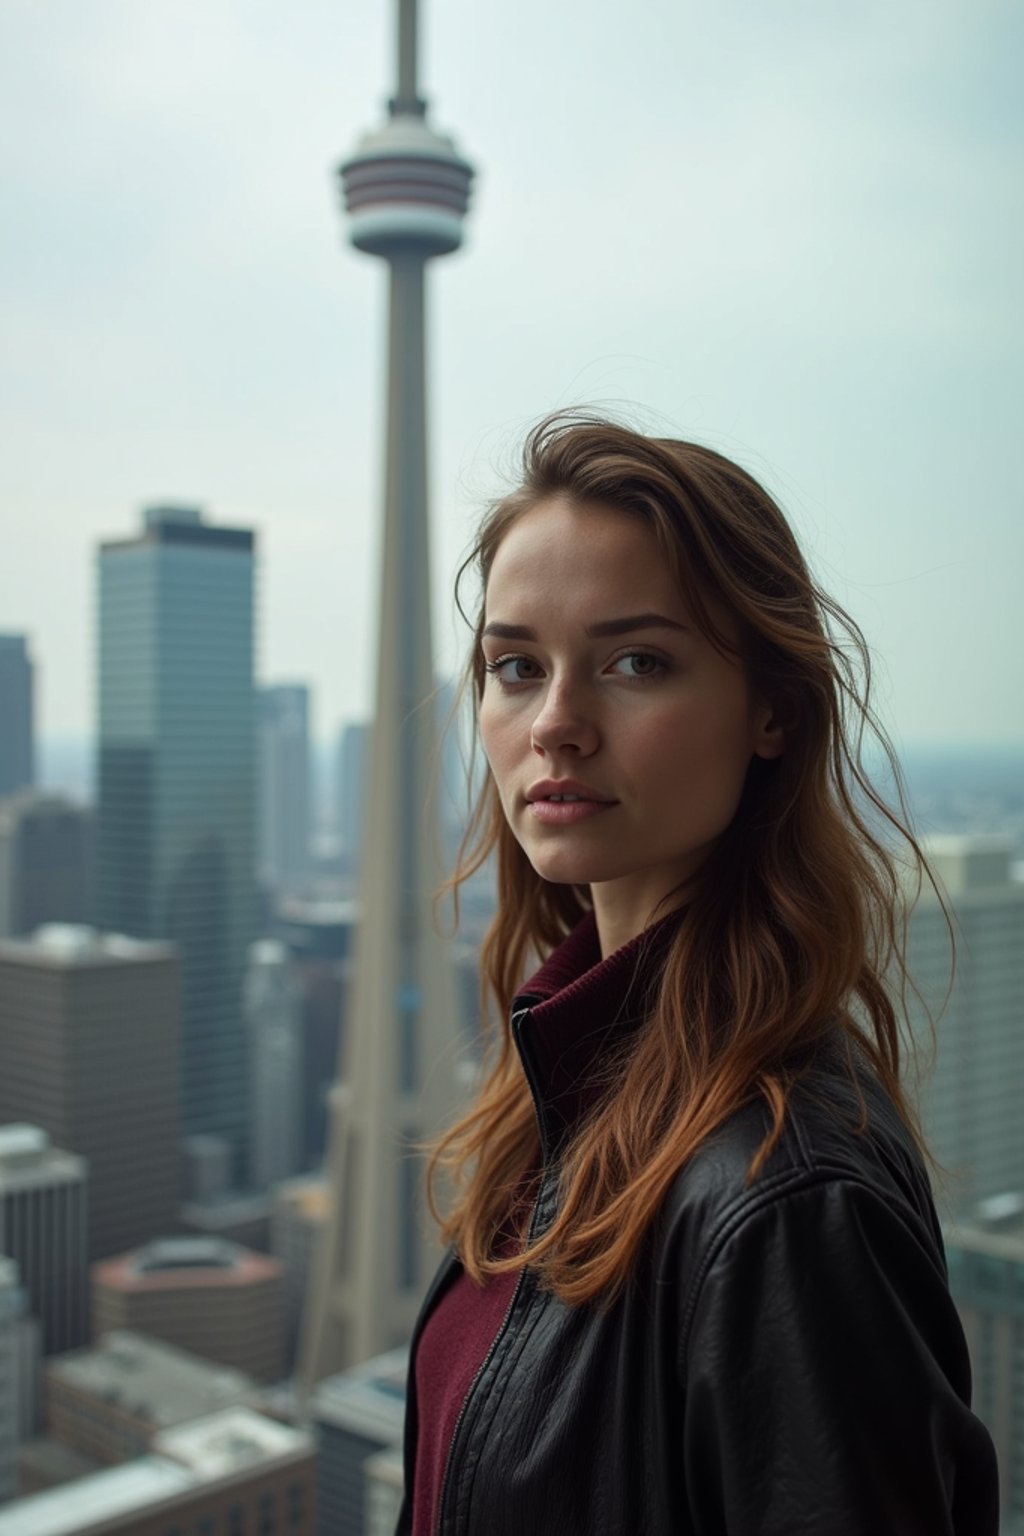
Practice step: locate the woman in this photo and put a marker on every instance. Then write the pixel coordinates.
(696, 1284)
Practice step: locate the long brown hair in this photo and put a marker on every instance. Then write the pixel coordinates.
(796, 923)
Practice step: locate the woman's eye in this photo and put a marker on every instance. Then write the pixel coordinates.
(513, 669)
(639, 664)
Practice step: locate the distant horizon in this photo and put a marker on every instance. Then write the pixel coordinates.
(65, 763)
(919, 744)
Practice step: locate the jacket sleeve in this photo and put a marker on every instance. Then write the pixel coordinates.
(826, 1383)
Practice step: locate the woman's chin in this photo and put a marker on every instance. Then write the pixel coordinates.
(572, 870)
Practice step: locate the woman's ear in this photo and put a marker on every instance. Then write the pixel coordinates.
(771, 726)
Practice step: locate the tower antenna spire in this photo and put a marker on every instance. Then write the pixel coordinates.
(408, 98)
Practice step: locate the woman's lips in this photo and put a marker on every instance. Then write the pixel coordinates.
(562, 813)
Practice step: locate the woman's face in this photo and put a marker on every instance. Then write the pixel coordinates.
(600, 687)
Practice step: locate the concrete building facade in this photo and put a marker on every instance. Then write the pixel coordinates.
(970, 1103)
(356, 1415)
(12, 1308)
(17, 711)
(46, 862)
(273, 1019)
(232, 1473)
(109, 1400)
(319, 937)
(90, 1051)
(300, 1208)
(284, 786)
(985, 1253)
(353, 753)
(208, 1296)
(43, 1229)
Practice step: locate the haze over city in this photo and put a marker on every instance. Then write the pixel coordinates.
(791, 232)
(231, 1021)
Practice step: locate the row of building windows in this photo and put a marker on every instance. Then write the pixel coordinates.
(235, 1522)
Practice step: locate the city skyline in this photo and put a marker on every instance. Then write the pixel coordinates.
(792, 235)
(788, 232)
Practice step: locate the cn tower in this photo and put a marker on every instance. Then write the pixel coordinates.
(406, 191)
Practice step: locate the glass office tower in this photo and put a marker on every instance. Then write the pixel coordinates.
(17, 744)
(176, 783)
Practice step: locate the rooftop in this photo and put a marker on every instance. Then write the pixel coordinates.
(180, 1263)
(224, 1443)
(368, 1399)
(149, 1379)
(28, 1159)
(68, 944)
(968, 862)
(176, 525)
(102, 1496)
(221, 1446)
(995, 1227)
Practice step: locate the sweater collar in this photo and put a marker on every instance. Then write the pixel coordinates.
(574, 1007)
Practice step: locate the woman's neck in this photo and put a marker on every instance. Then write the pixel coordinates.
(620, 915)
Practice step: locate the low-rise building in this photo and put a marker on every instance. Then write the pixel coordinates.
(208, 1296)
(108, 1402)
(231, 1473)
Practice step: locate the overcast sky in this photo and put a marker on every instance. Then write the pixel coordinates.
(790, 230)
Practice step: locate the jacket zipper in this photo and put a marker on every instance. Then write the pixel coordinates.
(520, 1279)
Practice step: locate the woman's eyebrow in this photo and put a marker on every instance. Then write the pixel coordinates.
(624, 626)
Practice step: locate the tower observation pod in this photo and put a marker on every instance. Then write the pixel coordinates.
(406, 191)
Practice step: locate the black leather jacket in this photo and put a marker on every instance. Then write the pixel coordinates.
(786, 1358)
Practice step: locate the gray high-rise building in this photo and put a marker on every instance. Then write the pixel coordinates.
(985, 1252)
(350, 793)
(970, 1106)
(12, 1312)
(46, 844)
(177, 784)
(284, 785)
(273, 1016)
(358, 1414)
(90, 1052)
(319, 938)
(17, 738)
(970, 1103)
(42, 1227)
(448, 781)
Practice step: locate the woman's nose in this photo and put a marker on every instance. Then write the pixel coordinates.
(564, 723)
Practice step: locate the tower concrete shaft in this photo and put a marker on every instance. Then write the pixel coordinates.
(406, 190)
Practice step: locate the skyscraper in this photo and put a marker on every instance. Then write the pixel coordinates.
(42, 1227)
(89, 1053)
(272, 1008)
(985, 1253)
(971, 1102)
(350, 792)
(406, 190)
(17, 745)
(46, 846)
(284, 785)
(176, 783)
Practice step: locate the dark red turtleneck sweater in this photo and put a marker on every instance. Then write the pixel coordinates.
(579, 996)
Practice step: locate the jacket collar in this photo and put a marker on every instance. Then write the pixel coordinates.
(574, 1008)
